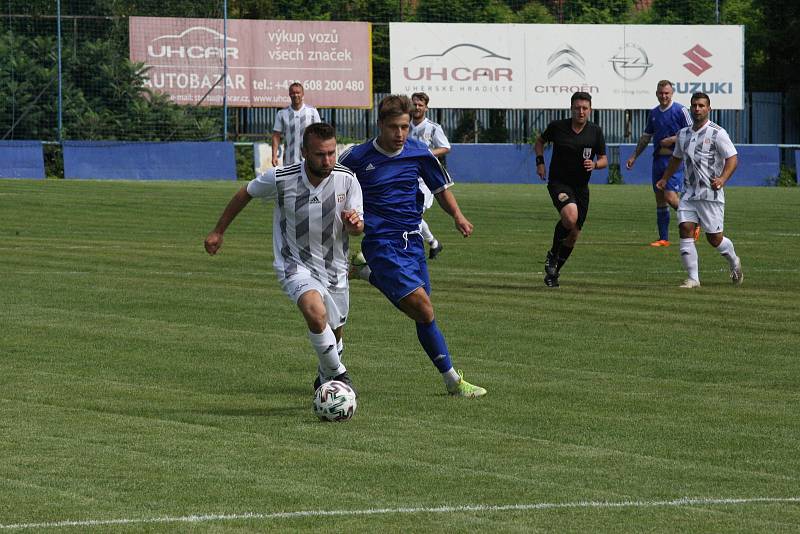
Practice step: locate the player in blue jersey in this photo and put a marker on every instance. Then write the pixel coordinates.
(387, 168)
(663, 124)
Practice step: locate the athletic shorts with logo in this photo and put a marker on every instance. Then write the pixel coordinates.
(337, 300)
(562, 194)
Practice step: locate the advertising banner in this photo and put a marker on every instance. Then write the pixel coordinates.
(527, 66)
(185, 57)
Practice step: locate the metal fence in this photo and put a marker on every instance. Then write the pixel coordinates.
(765, 120)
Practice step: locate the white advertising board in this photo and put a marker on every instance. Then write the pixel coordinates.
(528, 66)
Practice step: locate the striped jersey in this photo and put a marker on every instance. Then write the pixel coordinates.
(392, 199)
(291, 124)
(704, 153)
(308, 235)
(429, 133)
(663, 123)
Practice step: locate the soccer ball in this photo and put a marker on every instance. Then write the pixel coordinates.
(334, 401)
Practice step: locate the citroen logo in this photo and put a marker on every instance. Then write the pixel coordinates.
(566, 58)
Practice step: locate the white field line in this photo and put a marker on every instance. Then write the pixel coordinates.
(249, 516)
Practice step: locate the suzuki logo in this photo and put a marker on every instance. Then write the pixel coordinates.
(566, 58)
(698, 65)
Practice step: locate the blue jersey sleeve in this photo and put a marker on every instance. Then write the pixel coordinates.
(433, 174)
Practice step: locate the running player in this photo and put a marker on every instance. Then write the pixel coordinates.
(663, 124)
(710, 159)
(388, 168)
(318, 203)
(578, 148)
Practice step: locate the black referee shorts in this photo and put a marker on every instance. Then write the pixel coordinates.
(562, 194)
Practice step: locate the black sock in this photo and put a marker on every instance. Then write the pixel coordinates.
(559, 234)
(563, 255)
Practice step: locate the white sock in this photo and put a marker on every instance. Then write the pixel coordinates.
(363, 272)
(450, 377)
(325, 344)
(340, 347)
(726, 250)
(427, 235)
(689, 258)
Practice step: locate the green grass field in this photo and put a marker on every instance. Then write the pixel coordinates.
(145, 386)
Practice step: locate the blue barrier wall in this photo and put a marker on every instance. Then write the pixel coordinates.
(116, 160)
(506, 163)
(758, 165)
(21, 159)
(501, 163)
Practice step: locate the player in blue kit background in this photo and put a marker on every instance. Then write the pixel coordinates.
(388, 167)
(663, 124)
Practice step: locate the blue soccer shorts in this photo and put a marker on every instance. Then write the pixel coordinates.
(398, 265)
(675, 183)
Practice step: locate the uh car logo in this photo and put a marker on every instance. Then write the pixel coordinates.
(196, 42)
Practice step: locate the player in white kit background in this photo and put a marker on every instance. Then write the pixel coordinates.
(290, 123)
(710, 160)
(432, 135)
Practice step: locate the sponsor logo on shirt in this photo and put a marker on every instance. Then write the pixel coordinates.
(314, 200)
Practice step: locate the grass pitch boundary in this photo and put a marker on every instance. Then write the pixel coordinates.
(266, 516)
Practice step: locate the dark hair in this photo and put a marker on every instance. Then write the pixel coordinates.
(297, 84)
(580, 95)
(421, 96)
(323, 130)
(394, 105)
(700, 95)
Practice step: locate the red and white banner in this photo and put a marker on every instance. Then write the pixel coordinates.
(184, 58)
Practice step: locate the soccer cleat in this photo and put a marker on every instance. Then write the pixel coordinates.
(551, 265)
(357, 262)
(660, 243)
(737, 276)
(551, 281)
(343, 377)
(690, 283)
(462, 388)
(435, 250)
(696, 232)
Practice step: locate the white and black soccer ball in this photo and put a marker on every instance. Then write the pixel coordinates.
(334, 401)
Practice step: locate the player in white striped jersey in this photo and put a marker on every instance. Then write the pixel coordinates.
(710, 160)
(318, 204)
(291, 122)
(432, 134)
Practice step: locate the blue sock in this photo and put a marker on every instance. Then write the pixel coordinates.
(432, 340)
(662, 217)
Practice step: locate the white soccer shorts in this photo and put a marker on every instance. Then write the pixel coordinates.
(710, 215)
(337, 300)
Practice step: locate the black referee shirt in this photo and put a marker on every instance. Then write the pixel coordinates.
(570, 149)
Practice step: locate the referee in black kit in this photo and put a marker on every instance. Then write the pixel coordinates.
(578, 149)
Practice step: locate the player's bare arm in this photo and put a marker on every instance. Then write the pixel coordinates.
(448, 202)
(353, 223)
(213, 241)
(727, 171)
(538, 149)
(644, 140)
(276, 143)
(672, 166)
